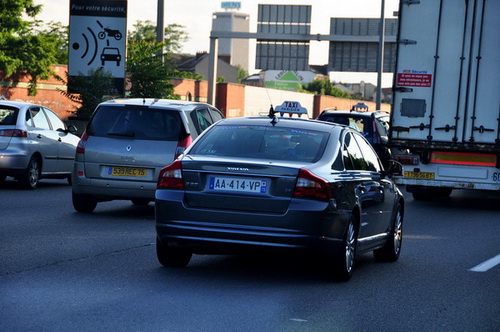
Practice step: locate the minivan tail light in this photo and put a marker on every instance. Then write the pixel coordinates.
(171, 177)
(80, 148)
(311, 186)
(182, 146)
(13, 133)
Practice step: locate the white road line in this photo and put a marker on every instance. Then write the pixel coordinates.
(486, 265)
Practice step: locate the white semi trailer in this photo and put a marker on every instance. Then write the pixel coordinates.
(445, 121)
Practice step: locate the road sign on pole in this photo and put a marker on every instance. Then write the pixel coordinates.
(97, 38)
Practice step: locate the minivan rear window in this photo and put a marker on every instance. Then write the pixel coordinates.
(262, 142)
(136, 122)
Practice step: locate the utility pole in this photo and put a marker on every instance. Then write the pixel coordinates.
(160, 25)
(380, 64)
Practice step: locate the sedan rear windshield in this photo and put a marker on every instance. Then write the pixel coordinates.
(8, 115)
(137, 122)
(262, 142)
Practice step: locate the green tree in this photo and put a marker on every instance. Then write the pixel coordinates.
(324, 87)
(149, 64)
(242, 73)
(146, 30)
(59, 35)
(89, 90)
(147, 74)
(24, 49)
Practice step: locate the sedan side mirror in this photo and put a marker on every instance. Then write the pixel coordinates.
(394, 168)
(72, 129)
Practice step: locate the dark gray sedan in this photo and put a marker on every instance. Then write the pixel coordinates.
(276, 183)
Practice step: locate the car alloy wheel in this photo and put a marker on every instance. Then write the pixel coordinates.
(345, 260)
(391, 250)
(30, 178)
(350, 248)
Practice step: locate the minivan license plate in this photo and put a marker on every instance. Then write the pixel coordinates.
(127, 171)
(235, 184)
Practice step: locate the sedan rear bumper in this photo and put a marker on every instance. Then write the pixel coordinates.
(13, 162)
(226, 231)
(108, 189)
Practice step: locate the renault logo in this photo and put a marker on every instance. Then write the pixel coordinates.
(128, 148)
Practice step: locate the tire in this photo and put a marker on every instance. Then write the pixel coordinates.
(427, 194)
(84, 203)
(31, 176)
(391, 250)
(344, 262)
(140, 201)
(69, 179)
(171, 257)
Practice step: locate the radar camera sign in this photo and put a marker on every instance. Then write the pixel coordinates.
(97, 38)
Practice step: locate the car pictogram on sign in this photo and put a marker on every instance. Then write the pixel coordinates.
(111, 54)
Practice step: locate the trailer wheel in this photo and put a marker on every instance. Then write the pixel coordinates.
(427, 194)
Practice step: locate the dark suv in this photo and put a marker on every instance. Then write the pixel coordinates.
(126, 144)
(374, 126)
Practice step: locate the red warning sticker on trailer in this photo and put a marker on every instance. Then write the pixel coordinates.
(414, 78)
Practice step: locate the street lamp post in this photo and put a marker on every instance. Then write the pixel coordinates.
(160, 25)
(380, 62)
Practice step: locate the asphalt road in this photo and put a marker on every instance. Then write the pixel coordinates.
(65, 271)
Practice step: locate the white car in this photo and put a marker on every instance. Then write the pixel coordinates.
(34, 143)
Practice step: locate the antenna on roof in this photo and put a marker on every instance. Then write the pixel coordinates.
(272, 112)
(272, 115)
(143, 101)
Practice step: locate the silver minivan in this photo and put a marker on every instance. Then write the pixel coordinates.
(34, 143)
(126, 144)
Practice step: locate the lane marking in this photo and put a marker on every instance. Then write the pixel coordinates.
(486, 265)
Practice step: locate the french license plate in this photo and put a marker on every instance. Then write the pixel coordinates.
(235, 184)
(420, 175)
(127, 171)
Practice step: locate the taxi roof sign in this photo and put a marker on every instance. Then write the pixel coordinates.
(291, 107)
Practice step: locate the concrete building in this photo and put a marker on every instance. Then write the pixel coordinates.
(199, 64)
(233, 51)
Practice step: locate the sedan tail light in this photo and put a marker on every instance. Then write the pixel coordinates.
(80, 148)
(13, 133)
(171, 177)
(311, 186)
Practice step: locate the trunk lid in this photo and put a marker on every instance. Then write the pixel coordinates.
(143, 159)
(239, 184)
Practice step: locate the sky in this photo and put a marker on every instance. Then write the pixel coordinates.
(196, 17)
